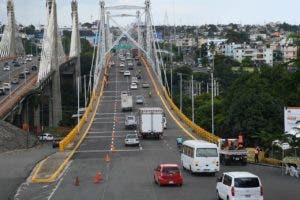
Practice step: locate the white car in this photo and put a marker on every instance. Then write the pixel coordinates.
(132, 139)
(6, 68)
(239, 186)
(126, 73)
(7, 86)
(46, 137)
(133, 86)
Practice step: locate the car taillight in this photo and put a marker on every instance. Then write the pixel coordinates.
(232, 191)
(261, 191)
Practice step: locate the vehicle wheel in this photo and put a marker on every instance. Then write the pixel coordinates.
(180, 185)
(218, 196)
(227, 197)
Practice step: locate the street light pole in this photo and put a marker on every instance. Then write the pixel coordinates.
(193, 106)
(84, 79)
(180, 74)
(212, 97)
(78, 102)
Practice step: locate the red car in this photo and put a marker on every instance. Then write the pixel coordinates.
(168, 174)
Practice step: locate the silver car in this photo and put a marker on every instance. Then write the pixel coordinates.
(132, 139)
(139, 99)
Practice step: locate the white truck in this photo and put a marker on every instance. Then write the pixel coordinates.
(151, 122)
(126, 102)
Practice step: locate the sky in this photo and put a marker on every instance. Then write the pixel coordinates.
(179, 12)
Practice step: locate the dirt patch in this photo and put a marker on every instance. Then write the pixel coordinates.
(13, 138)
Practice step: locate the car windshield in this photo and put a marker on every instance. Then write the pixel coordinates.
(246, 182)
(206, 152)
(130, 118)
(169, 170)
(132, 136)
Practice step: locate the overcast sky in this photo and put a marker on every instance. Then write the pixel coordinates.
(189, 12)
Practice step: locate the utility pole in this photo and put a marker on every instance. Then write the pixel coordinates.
(78, 102)
(180, 75)
(84, 85)
(212, 96)
(193, 106)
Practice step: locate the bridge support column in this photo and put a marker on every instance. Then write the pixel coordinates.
(55, 101)
(77, 73)
(37, 118)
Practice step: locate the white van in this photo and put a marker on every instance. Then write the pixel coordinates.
(239, 186)
(200, 156)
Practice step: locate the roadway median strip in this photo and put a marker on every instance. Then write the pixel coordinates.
(63, 158)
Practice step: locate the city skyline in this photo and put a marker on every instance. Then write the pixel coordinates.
(196, 12)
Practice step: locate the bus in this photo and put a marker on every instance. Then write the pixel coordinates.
(200, 156)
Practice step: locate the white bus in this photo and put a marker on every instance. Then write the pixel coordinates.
(200, 156)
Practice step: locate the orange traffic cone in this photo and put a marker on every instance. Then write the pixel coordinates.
(107, 158)
(113, 149)
(77, 181)
(98, 178)
(113, 134)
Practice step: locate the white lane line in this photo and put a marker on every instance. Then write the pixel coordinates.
(117, 150)
(111, 113)
(103, 132)
(61, 179)
(96, 137)
(102, 122)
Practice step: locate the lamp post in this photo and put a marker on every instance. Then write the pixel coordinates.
(211, 70)
(193, 96)
(180, 75)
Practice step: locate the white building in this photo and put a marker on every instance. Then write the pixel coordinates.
(229, 49)
(186, 42)
(254, 37)
(260, 55)
(289, 53)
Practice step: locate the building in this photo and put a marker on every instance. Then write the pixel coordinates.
(256, 36)
(289, 53)
(185, 42)
(259, 55)
(229, 49)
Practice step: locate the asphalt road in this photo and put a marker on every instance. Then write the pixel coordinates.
(7, 76)
(129, 174)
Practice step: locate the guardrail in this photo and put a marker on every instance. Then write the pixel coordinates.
(73, 133)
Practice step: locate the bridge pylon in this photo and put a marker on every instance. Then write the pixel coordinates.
(51, 57)
(75, 48)
(11, 43)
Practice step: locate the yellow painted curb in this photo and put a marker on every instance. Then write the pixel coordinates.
(63, 165)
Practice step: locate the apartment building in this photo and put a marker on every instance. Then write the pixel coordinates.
(259, 55)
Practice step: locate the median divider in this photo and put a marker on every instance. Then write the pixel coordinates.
(49, 169)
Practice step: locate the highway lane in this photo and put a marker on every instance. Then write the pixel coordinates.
(129, 174)
(7, 76)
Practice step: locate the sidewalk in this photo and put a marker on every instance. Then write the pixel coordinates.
(17, 165)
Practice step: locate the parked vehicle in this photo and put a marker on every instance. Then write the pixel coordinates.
(232, 151)
(7, 86)
(15, 81)
(151, 122)
(132, 139)
(22, 75)
(46, 137)
(168, 174)
(130, 121)
(126, 102)
(239, 186)
(200, 156)
(2, 91)
(6, 68)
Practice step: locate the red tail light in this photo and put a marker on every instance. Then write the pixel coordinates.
(232, 191)
(261, 191)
